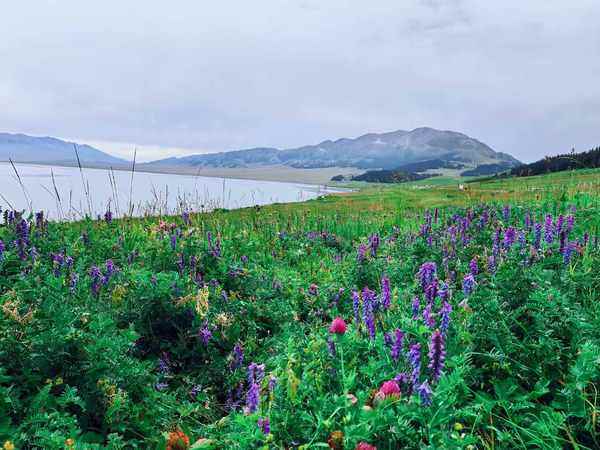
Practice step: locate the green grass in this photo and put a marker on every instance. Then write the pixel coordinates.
(87, 362)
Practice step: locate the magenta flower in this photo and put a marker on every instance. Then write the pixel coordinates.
(338, 326)
(390, 389)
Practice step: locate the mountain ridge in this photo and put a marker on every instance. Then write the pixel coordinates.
(368, 151)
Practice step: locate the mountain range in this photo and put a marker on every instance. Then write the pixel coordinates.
(421, 147)
(370, 151)
(49, 150)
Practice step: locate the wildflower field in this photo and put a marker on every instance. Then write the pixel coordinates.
(392, 317)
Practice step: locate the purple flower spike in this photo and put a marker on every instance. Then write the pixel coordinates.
(425, 392)
(437, 355)
(386, 294)
(468, 284)
(414, 358)
(397, 345)
(427, 273)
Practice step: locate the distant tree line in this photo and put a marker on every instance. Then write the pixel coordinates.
(386, 176)
(566, 161)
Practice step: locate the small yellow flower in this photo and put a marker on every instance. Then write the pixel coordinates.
(458, 426)
(8, 445)
(69, 443)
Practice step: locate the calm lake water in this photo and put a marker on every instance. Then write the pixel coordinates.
(63, 195)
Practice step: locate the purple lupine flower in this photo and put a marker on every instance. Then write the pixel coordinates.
(164, 367)
(174, 241)
(444, 292)
(492, 264)
(386, 294)
(2, 249)
(388, 341)
(111, 269)
(568, 252)
(368, 314)
(39, 220)
(537, 235)
(58, 260)
(562, 241)
(558, 226)
(549, 229)
(214, 247)
(108, 217)
(237, 359)
(272, 383)
(414, 358)
(96, 277)
(426, 273)
(22, 241)
(506, 213)
(256, 373)
(331, 347)
(161, 386)
(253, 398)
(496, 243)
(431, 291)
(73, 280)
(374, 242)
(468, 284)
(437, 355)
(396, 350)
(361, 253)
(416, 304)
(194, 391)
(33, 253)
(428, 318)
(337, 296)
(522, 241)
(473, 267)
(185, 216)
(425, 392)
(355, 307)
(509, 237)
(570, 223)
(264, 425)
(528, 221)
(445, 312)
(205, 334)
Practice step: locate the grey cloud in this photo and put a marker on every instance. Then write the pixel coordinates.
(208, 76)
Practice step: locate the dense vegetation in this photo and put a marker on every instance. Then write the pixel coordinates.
(388, 318)
(390, 176)
(567, 161)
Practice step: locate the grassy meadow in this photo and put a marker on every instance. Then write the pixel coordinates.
(419, 316)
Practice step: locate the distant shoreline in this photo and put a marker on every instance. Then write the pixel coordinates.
(319, 177)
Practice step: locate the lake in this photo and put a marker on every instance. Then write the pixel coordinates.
(66, 193)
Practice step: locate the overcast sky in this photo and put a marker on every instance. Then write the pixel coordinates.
(177, 77)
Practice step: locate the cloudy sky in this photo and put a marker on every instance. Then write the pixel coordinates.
(195, 76)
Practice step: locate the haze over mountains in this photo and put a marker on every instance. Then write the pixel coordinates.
(370, 151)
